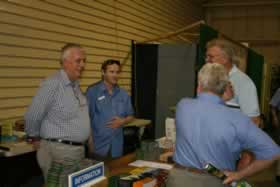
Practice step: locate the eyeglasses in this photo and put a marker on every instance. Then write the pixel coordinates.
(209, 56)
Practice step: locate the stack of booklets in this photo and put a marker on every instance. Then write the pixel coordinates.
(144, 177)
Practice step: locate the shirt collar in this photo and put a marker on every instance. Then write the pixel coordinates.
(233, 70)
(116, 88)
(210, 97)
(66, 80)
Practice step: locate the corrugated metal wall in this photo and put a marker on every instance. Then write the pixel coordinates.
(33, 31)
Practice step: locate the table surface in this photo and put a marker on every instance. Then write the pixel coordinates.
(138, 122)
(117, 166)
(16, 148)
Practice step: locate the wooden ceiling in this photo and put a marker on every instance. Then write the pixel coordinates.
(220, 3)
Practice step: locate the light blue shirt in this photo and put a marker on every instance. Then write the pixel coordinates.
(59, 110)
(207, 131)
(245, 93)
(102, 108)
(275, 100)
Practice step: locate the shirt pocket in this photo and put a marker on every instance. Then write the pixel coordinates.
(66, 108)
(120, 107)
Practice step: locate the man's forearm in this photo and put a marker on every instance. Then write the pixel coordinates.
(256, 166)
(90, 144)
(275, 121)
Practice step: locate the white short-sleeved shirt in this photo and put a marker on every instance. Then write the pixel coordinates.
(245, 92)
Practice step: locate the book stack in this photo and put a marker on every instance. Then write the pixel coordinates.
(144, 177)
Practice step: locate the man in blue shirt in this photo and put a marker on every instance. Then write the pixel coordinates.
(110, 108)
(207, 131)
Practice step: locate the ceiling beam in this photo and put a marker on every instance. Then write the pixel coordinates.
(175, 33)
(191, 34)
(184, 39)
(230, 4)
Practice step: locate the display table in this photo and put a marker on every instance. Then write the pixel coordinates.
(15, 149)
(18, 164)
(138, 122)
(141, 123)
(19, 148)
(20, 161)
(18, 169)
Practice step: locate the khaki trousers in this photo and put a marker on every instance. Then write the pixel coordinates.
(52, 154)
(179, 177)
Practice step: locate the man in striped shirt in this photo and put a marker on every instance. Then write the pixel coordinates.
(57, 119)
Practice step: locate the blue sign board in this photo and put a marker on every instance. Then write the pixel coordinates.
(88, 176)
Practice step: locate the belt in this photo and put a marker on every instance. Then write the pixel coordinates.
(193, 170)
(65, 141)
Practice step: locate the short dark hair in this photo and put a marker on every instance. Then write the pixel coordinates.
(65, 48)
(109, 62)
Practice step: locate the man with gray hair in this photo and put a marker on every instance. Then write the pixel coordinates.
(57, 121)
(210, 132)
(245, 93)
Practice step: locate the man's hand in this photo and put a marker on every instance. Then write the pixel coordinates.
(116, 122)
(231, 177)
(246, 159)
(275, 120)
(36, 145)
(35, 141)
(251, 169)
(256, 120)
(229, 92)
(90, 145)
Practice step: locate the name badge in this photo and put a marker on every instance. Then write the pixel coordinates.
(100, 98)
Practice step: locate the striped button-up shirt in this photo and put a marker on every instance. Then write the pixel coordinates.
(59, 110)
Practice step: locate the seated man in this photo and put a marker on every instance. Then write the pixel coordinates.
(210, 132)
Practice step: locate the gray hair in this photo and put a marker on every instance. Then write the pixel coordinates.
(213, 77)
(226, 47)
(65, 50)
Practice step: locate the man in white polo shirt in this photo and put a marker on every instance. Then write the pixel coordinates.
(245, 93)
